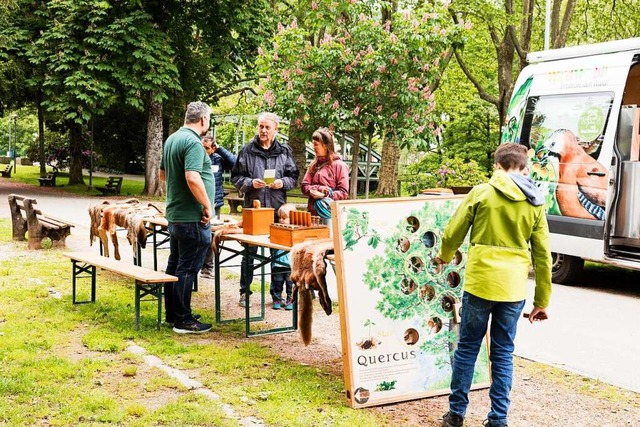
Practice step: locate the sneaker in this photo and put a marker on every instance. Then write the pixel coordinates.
(191, 327)
(243, 301)
(170, 321)
(207, 274)
(289, 305)
(276, 305)
(452, 420)
(488, 423)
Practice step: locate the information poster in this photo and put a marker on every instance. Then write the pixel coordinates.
(396, 308)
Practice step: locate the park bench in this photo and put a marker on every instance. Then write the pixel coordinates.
(113, 186)
(38, 225)
(235, 201)
(147, 282)
(6, 173)
(50, 179)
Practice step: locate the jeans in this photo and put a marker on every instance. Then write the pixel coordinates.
(245, 280)
(280, 276)
(475, 314)
(188, 243)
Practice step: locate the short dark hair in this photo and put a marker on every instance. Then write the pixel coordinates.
(511, 156)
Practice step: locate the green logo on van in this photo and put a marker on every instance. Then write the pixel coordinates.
(590, 123)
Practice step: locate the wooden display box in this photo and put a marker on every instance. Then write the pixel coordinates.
(292, 234)
(257, 220)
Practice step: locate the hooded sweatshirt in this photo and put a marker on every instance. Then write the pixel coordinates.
(507, 230)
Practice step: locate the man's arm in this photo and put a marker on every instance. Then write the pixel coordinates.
(196, 185)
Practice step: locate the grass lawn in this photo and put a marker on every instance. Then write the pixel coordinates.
(64, 364)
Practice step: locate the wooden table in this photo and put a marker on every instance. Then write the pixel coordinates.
(260, 260)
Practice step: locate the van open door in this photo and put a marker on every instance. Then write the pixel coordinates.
(623, 221)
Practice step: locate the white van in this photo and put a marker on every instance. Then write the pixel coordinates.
(577, 109)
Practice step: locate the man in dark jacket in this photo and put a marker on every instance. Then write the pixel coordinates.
(221, 160)
(264, 156)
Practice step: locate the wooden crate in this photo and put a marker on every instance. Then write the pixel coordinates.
(257, 220)
(292, 234)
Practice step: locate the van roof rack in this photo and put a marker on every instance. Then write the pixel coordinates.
(584, 50)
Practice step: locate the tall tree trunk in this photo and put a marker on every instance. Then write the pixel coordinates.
(75, 152)
(355, 152)
(153, 151)
(298, 145)
(388, 174)
(41, 154)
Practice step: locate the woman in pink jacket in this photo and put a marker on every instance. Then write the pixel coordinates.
(327, 178)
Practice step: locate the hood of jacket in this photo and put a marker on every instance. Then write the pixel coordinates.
(516, 187)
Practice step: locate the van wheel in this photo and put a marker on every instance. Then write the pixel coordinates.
(565, 268)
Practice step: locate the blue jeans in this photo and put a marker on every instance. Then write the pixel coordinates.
(280, 276)
(188, 244)
(475, 314)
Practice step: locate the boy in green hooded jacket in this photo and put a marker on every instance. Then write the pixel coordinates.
(508, 227)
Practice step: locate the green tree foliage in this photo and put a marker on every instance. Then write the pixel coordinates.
(363, 72)
(435, 171)
(94, 55)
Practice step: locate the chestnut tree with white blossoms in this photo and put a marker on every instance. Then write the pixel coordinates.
(362, 67)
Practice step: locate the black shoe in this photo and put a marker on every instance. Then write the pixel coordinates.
(452, 420)
(171, 321)
(191, 327)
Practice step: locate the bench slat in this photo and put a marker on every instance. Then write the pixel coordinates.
(141, 274)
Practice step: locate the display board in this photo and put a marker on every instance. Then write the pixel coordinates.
(396, 308)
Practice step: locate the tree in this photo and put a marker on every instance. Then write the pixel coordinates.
(509, 27)
(86, 55)
(362, 74)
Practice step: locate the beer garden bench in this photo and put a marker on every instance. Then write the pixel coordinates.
(113, 186)
(147, 282)
(38, 225)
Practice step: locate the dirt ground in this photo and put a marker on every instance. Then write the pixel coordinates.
(541, 396)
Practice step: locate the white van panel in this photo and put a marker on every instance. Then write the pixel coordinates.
(577, 246)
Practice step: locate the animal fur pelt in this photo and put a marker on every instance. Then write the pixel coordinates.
(221, 230)
(129, 214)
(308, 271)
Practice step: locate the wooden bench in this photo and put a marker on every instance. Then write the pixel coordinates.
(38, 225)
(6, 173)
(236, 201)
(49, 180)
(113, 186)
(147, 282)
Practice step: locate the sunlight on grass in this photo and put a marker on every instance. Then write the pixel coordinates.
(30, 175)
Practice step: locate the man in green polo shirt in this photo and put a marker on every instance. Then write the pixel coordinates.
(186, 168)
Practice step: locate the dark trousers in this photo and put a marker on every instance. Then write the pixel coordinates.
(188, 243)
(245, 280)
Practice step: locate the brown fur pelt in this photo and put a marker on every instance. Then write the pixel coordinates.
(129, 214)
(308, 271)
(219, 231)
